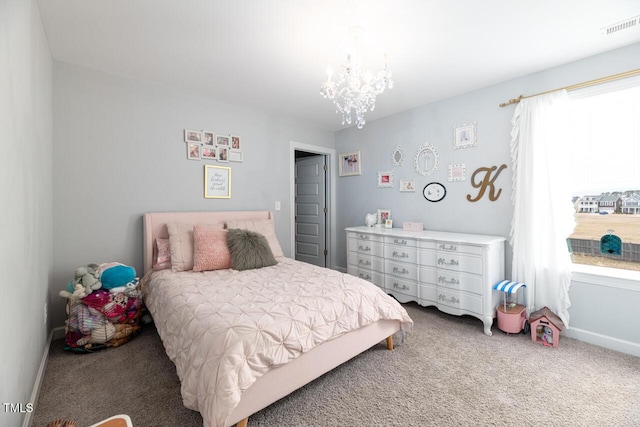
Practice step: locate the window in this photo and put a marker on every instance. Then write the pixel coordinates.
(605, 175)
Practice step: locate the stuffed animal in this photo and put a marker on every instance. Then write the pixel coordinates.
(85, 281)
(547, 338)
(116, 275)
(370, 220)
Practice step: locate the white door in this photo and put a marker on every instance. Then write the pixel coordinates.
(311, 210)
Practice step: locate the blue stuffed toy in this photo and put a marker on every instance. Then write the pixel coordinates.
(116, 276)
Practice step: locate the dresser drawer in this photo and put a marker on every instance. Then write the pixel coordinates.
(451, 261)
(460, 300)
(364, 236)
(452, 247)
(365, 247)
(371, 276)
(365, 261)
(459, 281)
(399, 241)
(398, 253)
(468, 264)
(406, 287)
(400, 269)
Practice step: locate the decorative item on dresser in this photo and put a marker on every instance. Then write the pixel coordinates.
(452, 271)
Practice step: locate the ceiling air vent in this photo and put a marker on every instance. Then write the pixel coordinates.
(619, 26)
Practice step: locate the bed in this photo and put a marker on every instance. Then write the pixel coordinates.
(240, 339)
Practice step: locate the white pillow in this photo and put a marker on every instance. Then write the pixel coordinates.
(181, 244)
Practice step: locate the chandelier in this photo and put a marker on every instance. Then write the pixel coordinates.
(356, 88)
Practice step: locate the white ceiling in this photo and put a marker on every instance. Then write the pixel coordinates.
(272, 54)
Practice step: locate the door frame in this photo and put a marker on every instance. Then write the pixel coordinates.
(330, 154)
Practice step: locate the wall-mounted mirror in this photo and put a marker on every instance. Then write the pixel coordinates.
(427, 159)
(397, 156)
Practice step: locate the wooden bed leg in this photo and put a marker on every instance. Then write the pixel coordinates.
(390, 343)
(242, 423)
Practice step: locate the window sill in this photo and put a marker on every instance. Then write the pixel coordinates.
(603, 276)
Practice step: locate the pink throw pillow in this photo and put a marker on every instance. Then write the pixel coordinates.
(210, 250)
(161, 254)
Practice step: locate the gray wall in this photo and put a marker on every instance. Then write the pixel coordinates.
(25, 200)
(434, 124)
(120, 152)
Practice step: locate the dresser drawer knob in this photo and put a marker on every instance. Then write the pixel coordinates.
(452, 248)
(403, 271)
(364, 262)
(402, 287)
(396, 254)
(442, 261)
(364, 248)
(365, 276)
(452, 281)
(364, 237)
(400, 242)
(452, 300)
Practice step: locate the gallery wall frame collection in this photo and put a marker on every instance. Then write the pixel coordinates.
(207, 145)
(427, 162)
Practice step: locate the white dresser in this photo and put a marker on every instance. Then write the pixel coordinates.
(453, 271)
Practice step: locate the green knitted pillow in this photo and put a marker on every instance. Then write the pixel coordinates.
(249, 250)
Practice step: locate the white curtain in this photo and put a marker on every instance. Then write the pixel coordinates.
(543, 214)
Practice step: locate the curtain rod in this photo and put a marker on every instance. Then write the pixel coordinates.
(601, 80)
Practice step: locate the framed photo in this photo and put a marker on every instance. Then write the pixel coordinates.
(217, 182)
(223, 154)
(385, 179)
(458, 172)
(388, 223)
(235, 142)
(350, 164)
(383, 215)
(235, 156)
(223, 140)
(209, 152)
(465, 136)
(193, 151)
(408, 185)
(208, 138)
(193, 136)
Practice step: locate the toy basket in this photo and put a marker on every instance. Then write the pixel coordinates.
(103, 319)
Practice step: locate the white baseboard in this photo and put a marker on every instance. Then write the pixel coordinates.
(54, 334)
(605, 341)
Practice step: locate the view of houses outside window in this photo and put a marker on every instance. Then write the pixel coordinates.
(606, 177)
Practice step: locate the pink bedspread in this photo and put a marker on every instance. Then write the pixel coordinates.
(224, 329)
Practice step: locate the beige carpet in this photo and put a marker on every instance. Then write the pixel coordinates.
(448, 373)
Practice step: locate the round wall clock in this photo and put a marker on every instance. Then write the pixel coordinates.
(434, 192)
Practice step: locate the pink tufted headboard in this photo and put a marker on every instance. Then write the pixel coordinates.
(155, 225)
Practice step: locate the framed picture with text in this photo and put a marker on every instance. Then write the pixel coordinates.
(217, 182)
